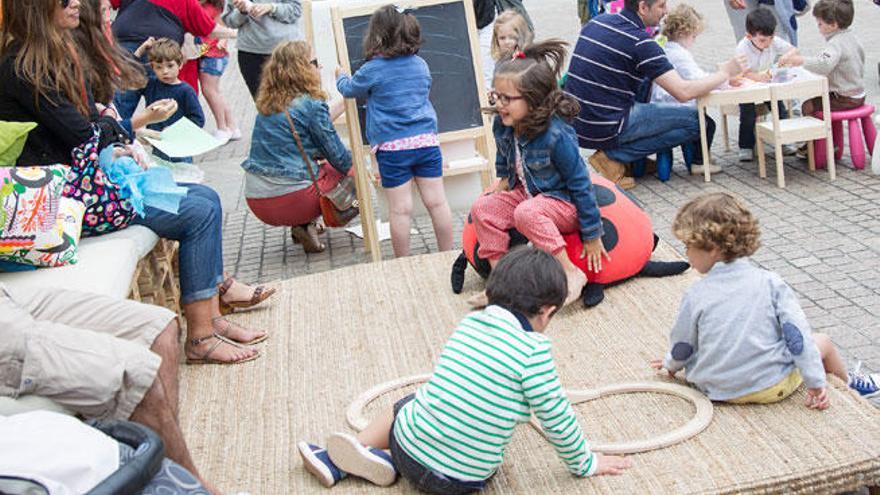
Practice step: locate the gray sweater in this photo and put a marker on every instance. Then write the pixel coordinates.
(843, 62)
(262, 35)
(740, 330)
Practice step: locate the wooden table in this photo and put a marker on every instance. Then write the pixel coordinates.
(750, 93)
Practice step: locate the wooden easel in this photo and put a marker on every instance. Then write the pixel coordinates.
(481, 135)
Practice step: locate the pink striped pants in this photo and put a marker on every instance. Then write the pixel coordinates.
(542, 219)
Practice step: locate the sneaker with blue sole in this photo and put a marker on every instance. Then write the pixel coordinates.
(317, 461)
(865, 385)
(372, 464)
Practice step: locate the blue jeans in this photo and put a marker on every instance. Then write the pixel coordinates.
(127, 101)
(423, 478)
(654, 127)
(198, 228)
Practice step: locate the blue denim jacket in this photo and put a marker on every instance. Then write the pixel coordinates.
(397, 91)
(274, 152)
(552, 166)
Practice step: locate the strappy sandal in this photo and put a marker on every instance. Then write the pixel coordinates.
(224, 333)
(309, 240)
(261, 293)
(205, 358)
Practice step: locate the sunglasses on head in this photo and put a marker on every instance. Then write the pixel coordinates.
(403, 10)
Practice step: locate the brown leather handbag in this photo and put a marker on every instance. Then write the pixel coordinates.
(338, 205)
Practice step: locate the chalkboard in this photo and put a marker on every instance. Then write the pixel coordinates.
(446, 48)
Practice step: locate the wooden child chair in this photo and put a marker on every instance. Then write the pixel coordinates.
(793, 130)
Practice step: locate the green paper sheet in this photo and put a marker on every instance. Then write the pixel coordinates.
(183, 138)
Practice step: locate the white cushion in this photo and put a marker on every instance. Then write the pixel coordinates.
(106, 265)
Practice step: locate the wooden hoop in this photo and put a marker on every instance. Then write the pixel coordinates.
(354, 415)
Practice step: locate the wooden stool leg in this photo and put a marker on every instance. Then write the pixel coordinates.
(725, 131)
(811, 156)
(780, 174)
(762, 160)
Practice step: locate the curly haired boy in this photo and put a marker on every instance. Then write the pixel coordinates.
(740, 332)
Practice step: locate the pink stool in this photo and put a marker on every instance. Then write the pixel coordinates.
(856, 142)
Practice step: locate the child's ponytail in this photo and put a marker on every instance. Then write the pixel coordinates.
(535, 72)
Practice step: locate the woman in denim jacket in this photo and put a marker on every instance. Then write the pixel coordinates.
(545, 189)
(278, 186)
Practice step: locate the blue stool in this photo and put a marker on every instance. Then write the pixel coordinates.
(664, 162)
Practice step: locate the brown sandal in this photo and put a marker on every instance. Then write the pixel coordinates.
(308, 237)
(205, 358)
(261, 293)
(224, 333)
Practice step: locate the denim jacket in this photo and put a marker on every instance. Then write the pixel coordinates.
(552, 166)
(274, 152)
(397, 92)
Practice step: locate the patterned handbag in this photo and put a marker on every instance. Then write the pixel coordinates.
(338, 205)
(106, 210)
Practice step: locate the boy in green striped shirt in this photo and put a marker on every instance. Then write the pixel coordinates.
(495, 371)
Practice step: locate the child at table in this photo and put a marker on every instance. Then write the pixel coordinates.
(468, 406)
(740, 331)
(761, 48)
(842, 59)
(401, 122)
(681, 27)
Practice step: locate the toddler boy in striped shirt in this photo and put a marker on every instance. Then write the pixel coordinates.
(495, 371)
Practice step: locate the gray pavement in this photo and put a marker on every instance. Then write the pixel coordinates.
(823, 237)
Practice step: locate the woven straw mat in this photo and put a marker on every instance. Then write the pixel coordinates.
(336, 334)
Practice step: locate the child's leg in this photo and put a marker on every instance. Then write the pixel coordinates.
(747, 116)
(542, 220)
(434, 198)
(492, 215)
(376, 434)
(364, 456)
(831, 359)
(400, 213)
(211, 90)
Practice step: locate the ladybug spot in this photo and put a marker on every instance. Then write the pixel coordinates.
(610, 237)
(604, 196)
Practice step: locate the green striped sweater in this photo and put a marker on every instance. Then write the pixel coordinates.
(491, 375)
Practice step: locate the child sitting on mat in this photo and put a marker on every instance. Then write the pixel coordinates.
(740, 332)
(545, 189)
(450, 436)
(842, 60)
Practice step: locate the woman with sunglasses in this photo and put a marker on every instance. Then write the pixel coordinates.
(279, 183)
(46, 78)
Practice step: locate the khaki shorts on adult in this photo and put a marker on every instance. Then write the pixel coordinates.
(89, 353)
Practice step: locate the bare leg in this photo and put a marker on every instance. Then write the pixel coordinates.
(377, 432)
(576, 278)
(830, 356)
(211, 89)
(166, 346)
(434, 198)
(400, 204)
(200, 323)
(155, 412)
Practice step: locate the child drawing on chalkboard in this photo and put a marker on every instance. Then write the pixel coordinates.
(511, 33)
(545, 189)
(401, 122)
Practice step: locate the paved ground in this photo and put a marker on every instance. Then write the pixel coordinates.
(822, 237)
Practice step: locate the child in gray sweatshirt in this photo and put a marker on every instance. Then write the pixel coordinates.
(740, 332)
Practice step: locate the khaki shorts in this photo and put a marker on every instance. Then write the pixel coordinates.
(89, 353)
(773, 393)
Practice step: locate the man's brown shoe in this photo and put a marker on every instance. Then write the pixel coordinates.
(612, 170)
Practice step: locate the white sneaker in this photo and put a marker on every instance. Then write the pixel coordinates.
(746, 155)
(222, 136)
(700, 169)
(235, 134)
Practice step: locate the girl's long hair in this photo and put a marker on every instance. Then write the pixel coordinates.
(287, 74)
(535, 71)
(107, 67)
(45, 57)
